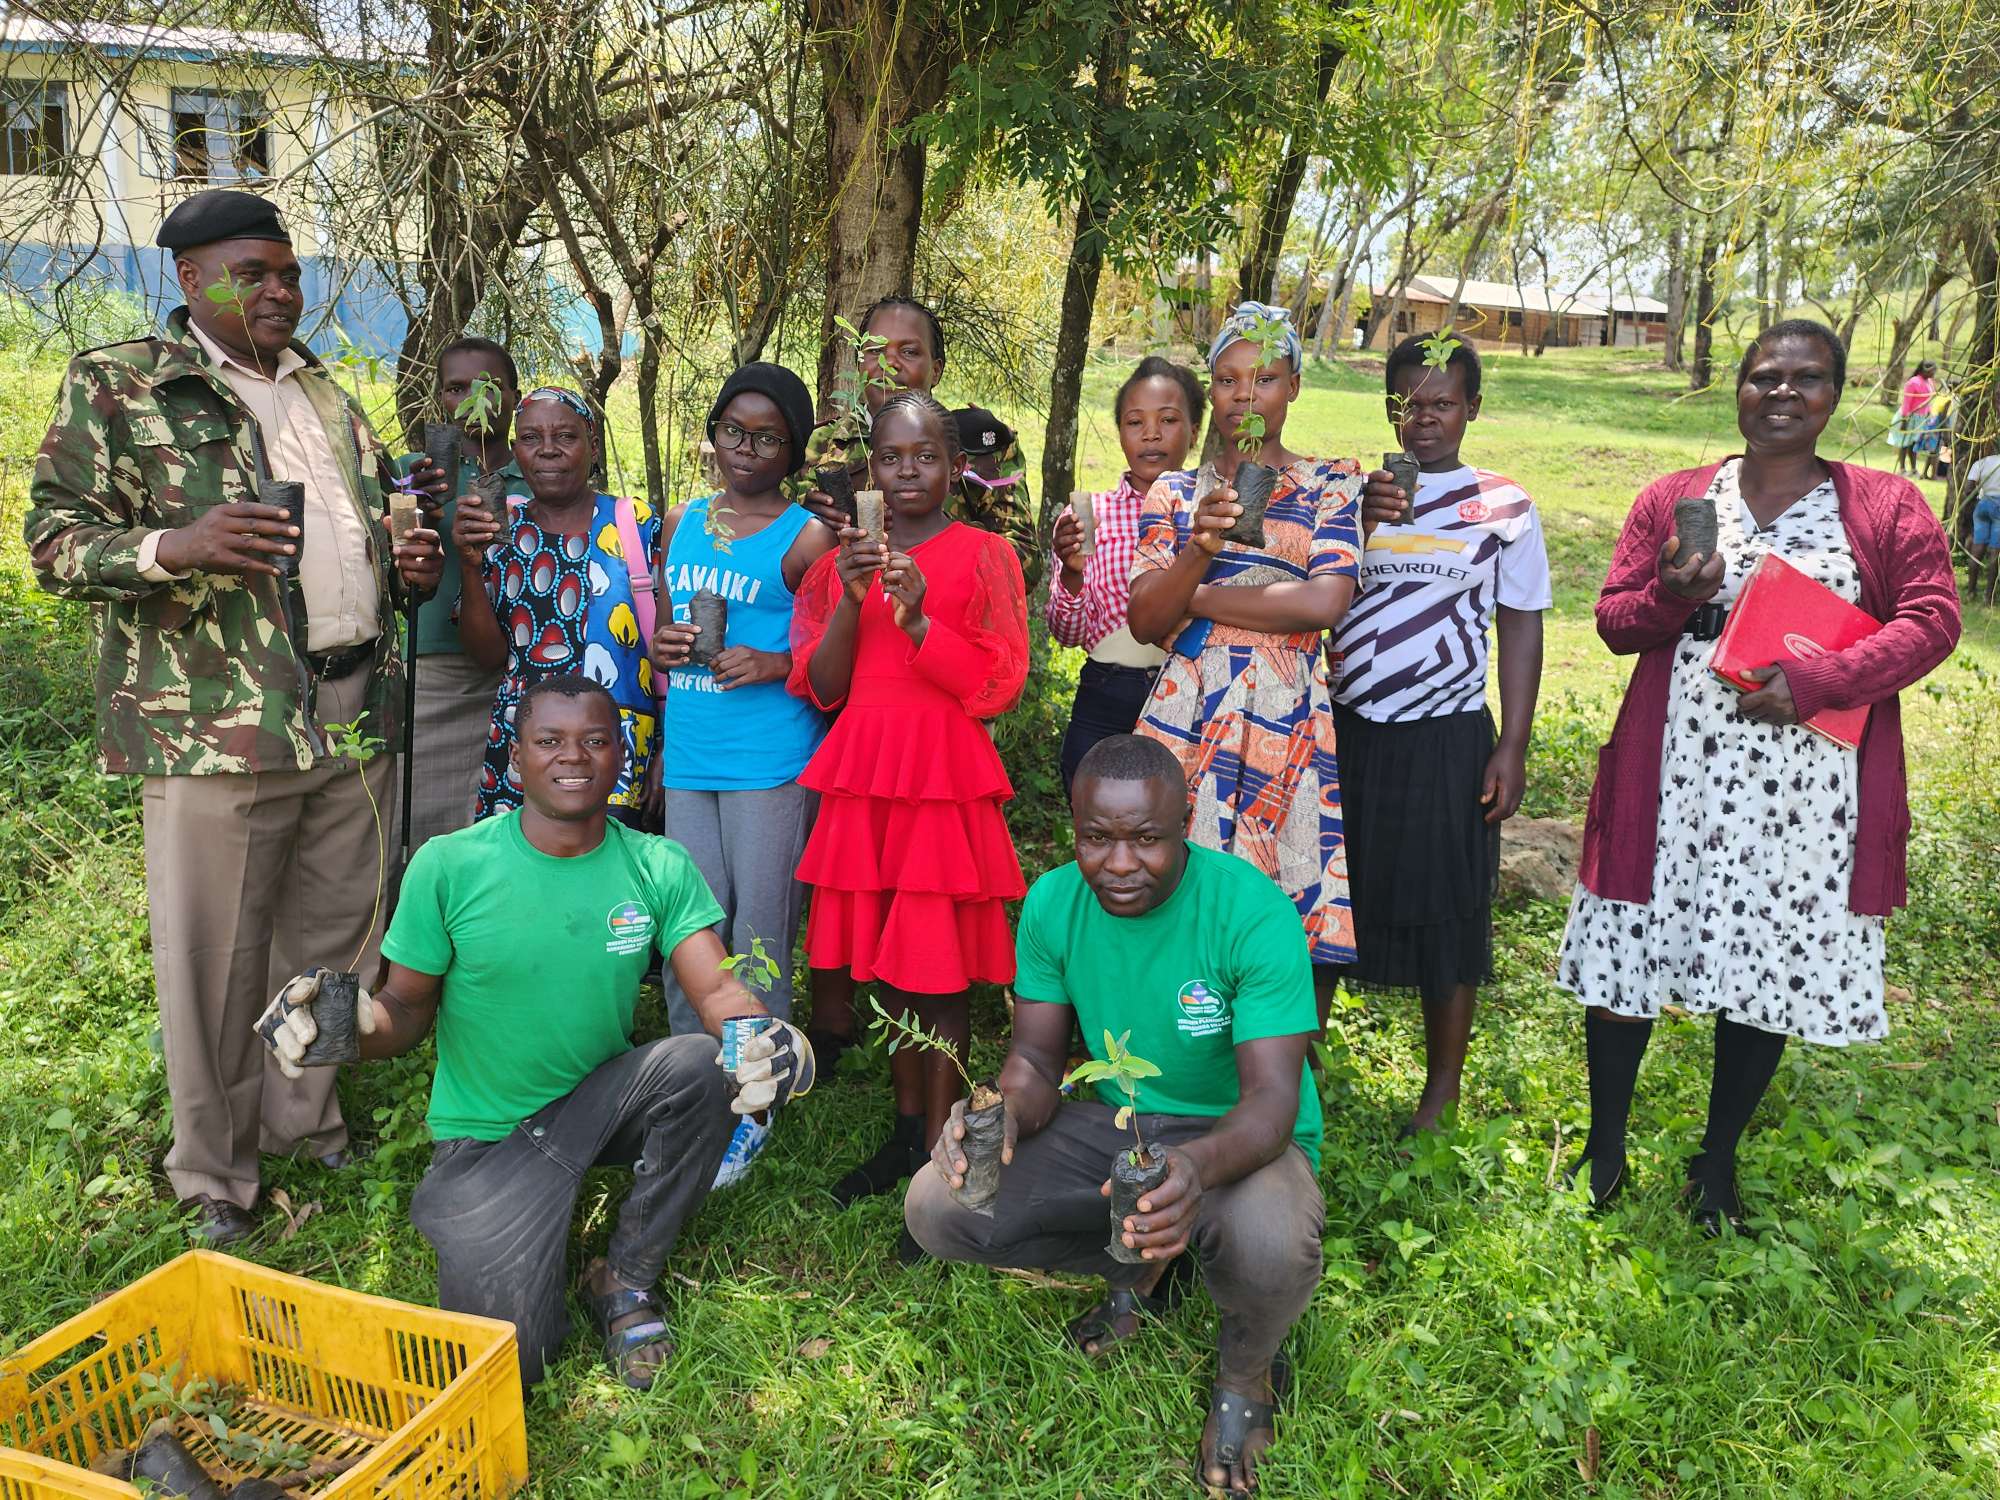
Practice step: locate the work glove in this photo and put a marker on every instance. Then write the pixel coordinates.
(773, 1067)
(316, 1020)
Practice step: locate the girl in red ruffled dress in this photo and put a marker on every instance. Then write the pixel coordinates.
(915, 643)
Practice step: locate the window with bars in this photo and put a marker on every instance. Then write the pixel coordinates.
(219, 137)
(34, 127)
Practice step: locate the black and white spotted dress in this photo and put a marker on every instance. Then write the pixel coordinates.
(1749, 916)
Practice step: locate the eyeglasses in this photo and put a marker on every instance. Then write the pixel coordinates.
(763, 444)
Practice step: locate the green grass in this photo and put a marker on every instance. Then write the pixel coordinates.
(1473, 1328)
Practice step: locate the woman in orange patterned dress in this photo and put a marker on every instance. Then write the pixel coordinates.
(1242, 699)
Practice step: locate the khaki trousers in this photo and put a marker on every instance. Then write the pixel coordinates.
(236, 911)
(454, 715)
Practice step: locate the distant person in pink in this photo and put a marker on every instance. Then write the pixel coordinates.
(1913, 416)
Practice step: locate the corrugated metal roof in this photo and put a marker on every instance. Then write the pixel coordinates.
(173, 43)
(1505, 296)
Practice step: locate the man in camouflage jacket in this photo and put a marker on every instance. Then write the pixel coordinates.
(224, 654)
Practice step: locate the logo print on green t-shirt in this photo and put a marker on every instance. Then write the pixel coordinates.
(631, 928)
(1203, 1012)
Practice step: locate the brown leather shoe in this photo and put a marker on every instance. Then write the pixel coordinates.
(219, 1222)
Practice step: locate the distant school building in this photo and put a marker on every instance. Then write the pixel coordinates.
(106, 126)
(1497, 314)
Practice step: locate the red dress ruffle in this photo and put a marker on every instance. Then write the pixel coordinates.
(910, 860)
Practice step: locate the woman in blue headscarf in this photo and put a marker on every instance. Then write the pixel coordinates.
(548, 592)
(1242, 700)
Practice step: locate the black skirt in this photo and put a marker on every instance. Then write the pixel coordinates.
(1422, 861)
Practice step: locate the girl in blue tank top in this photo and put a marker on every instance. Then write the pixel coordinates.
(732, 739)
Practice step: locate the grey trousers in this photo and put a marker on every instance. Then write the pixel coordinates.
(747, 847)
(498, 1212)
(448, 742)
(235, 912)
(1258, 1240)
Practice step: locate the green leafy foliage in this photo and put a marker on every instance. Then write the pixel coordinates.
(757, 969)
(905, 1031)
(349, 742)
(1123, 1069)
(481, 406)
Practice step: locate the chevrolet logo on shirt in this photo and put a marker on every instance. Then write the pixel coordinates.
(1413, 546)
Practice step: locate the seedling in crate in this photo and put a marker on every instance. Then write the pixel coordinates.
(985, 1111)
(1136, 1172)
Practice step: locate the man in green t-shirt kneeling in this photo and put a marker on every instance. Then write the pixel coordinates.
(1199, 956)
(524, 939)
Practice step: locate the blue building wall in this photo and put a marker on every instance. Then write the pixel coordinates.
(353, 296)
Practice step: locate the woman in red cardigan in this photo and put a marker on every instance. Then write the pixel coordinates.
(1735, 862)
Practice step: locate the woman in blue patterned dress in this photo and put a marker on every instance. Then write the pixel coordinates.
(1242, 699)
(548, 592)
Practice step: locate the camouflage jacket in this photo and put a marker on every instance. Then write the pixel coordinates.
(197, 675)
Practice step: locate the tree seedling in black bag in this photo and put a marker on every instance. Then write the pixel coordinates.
(1254, 481)
(1136, 1172)
(289, 496)
(1403, 470)
(985, 1113)
(708, 612)
(1696, 528)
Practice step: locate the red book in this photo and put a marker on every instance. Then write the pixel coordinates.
(1782, 615)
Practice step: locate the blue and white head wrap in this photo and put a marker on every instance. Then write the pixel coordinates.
(1238, 324)
(563, 396)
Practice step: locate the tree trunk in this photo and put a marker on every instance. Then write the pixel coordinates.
(883, 64)
(1079, 295)
(871, 232)
(1764, 313)
(1702, 371)
(1259, 274)
(1903, 331)
(1978, 406)
(1677, 289)
(649, 412)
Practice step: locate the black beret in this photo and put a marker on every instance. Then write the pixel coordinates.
(785, 390)
(221, 214)
(980, 432)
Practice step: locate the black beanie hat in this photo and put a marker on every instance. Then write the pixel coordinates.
(784, 388)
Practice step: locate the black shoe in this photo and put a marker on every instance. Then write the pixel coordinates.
(1603, 1197)
(827, 1047)
(899, 1158)
(219, 1222)
(908, 1251)
(1712, 1204)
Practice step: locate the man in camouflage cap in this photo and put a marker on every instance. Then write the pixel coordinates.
(232, 634)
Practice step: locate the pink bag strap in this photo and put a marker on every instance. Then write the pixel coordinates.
(638, 565)
(645, 607)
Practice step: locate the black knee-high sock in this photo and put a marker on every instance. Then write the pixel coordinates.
(1745, 1059)
(1612, 1050)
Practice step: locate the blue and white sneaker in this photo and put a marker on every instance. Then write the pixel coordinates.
(744, 1147)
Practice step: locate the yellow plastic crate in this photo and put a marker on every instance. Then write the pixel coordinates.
(426, 1403)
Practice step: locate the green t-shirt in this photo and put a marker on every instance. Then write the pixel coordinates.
(437, 624)
(1220, 962)
(541, 959)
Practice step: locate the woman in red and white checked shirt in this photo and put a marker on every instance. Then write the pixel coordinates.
(1159, 411)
